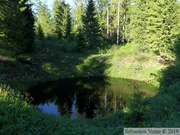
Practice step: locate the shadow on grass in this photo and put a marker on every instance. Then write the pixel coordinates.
(94, 66)
(23, 71)
(162, 110)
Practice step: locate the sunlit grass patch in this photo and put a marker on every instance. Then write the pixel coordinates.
(133, 62)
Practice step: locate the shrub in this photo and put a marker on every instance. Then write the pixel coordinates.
(55, 45)
(160, 107)
(173, 90)
(170, 76)
(136, 109)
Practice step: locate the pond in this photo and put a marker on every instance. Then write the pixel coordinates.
(86, 98)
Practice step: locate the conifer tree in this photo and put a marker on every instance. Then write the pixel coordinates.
(68, 22)
(40, 33)
(81, 43)
(29, 31)
(61, 19)
(125, 19)
(16, 27)
(91, 26)
(77, 14)
(113, 20)
(103, 16)
(169, 26)
(138, 22)
(154, 24)
(57, 18)
(44, 19)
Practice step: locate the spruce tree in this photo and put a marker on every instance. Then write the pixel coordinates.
(154, 24)
(125, 20)
(81, 43)
(44, 19)
(138, 24)
(40, 33)
(16, 26)
(61, 19)
(91, 26)
(29, 31)
(68, 22)
(169, 28)
(77, 15)
(113, 20)
(103, 16)
(57, 18)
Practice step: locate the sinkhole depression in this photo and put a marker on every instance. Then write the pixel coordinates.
(86, 98)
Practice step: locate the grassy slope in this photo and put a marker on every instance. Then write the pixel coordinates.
(126, 62)
(25, 71)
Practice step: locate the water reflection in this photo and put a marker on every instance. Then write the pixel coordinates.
(86, 97)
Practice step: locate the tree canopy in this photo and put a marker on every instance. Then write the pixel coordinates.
(153, 24)
(17, 26)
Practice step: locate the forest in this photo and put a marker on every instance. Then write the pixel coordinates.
(132, 39)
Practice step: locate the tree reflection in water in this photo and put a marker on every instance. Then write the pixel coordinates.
(86, 97)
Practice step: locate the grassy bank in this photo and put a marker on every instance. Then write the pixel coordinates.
(129, 61)
(122, 62)
(17, 117)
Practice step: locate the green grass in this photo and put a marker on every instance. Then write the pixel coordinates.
(128, 61)
(121, 62)
(131, 62)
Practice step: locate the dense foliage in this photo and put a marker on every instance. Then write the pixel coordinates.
(19, 117)
(16, 27)
(148, 24)
(153, 25)
(91, 26)
(61, 19)
(45, 45)
(157, 23)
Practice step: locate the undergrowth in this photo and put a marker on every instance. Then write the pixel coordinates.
(129, 61)
(17, 117)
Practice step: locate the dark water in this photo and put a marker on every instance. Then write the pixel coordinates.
(86, 97)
